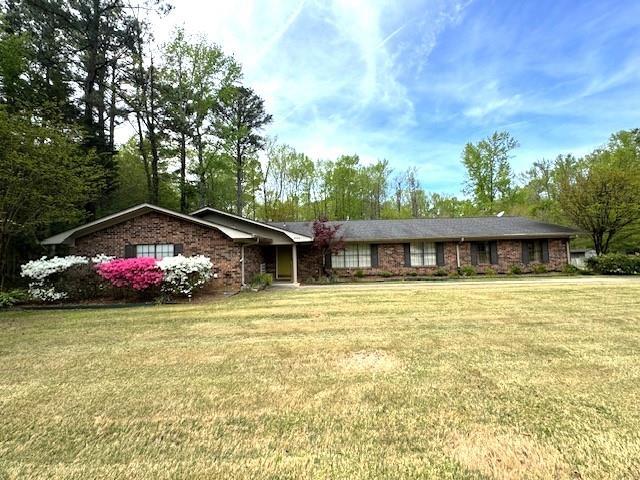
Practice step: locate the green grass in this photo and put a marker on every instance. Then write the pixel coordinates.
(405, 381)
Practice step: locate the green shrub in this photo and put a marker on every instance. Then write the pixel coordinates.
(440, 272)
(412, 274)
(569, 269)
(490, 272)
(515, 270)
(467, 271)
(358, 274)
(615, 264)
(13, 297)
(539, 268)
(262, 280)
(385, 274)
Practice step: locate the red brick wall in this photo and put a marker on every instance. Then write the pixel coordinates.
(159, 228)
(253, 257)
(391, 260)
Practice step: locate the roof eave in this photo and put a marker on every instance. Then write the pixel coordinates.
(514, 236)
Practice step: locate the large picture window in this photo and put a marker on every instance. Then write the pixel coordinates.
(158, 251)
(355, 255)
(423, 254)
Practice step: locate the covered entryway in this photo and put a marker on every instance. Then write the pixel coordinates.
(286, 263)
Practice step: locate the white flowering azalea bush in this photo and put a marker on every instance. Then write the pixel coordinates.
(44, 273)
(184, 275)
(63, 278)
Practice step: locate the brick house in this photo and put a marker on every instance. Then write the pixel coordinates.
(240, 248)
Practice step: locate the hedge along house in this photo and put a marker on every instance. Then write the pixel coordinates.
(240, 248)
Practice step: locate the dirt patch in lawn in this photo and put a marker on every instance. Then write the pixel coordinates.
(506, 455)
(370, 361)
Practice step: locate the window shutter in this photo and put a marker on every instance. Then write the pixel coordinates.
(407, 254)
(525, 252)
(545, 251)
(374, 255)
(178, 249)
(493, 251)
(474, 253)
(440, 254)
(327, 260)
(129, 251)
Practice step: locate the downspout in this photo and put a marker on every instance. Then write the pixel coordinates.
(242, 282)
(458, 251)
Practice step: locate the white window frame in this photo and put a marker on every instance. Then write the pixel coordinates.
(156, 250)
(354, 255)
(423, 254)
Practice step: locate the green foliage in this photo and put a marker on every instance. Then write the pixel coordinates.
(262, 280)
(359, 273)
(489, 272)
(539, 268)
(600, 193)
(569, 269)
(489, 176)
(515, 270)
(240, 117)
(13, 297)
(440, 272)
(615, 264)
(385, 274)
(45, 177)
(467, 271)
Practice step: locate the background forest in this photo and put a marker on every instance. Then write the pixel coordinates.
(76, 73)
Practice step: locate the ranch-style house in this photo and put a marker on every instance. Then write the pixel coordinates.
(240, 248)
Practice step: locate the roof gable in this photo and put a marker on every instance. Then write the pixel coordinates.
(253, 225)
(68, 236)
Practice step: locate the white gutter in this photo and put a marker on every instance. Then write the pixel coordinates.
(458, 251)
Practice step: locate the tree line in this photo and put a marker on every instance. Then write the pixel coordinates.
(73, 73)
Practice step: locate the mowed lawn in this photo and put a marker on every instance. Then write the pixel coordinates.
(505, 380)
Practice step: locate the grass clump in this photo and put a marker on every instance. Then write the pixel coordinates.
(515, 270)
(261, 281)
(467, 271)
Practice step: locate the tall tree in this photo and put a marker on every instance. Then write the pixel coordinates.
(240, 118)
(44, 177)
(601, 192)
(489, 175)
(178, 94)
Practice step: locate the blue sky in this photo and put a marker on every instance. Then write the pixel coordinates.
(413, 81)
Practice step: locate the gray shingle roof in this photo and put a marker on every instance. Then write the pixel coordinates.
(438, 228)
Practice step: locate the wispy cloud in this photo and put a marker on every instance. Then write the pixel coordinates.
(413, 81)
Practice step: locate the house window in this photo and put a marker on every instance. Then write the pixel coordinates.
(484, 252)
(158, 251)
(423, 254)
(535, 251)
(354, 255)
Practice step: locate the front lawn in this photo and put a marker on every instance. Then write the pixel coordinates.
(402, 381)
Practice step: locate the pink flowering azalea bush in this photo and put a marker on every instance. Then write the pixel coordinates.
(138, 274)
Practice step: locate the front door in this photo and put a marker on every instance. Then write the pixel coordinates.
(285, 262)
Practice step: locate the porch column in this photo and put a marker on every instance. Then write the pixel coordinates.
(294, 255)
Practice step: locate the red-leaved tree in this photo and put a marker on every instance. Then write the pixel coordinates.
(326, 240)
